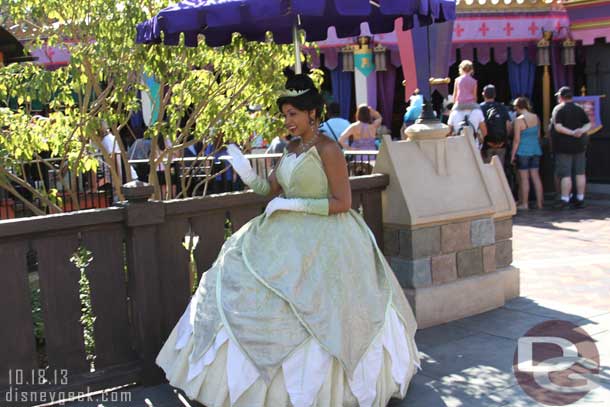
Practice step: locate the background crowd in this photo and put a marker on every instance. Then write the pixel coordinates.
(515, 135)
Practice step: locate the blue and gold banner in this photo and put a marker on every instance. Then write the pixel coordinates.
(364, 62)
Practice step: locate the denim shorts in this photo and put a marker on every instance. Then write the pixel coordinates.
(528, 162)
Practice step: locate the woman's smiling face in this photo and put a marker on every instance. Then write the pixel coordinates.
(296, 121)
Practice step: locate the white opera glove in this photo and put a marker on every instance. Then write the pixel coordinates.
(242, 166)
(313, 206)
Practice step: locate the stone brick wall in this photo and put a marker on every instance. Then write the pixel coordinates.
(504, 242)
(441, 254)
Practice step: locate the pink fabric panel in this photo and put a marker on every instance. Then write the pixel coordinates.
(467, 52)
(407, 58)
(452, 55)
(531, 53)
(500, 54)
(483, 54)
(395, 57)
(52, 56)
(331, 58)
(517, 53)
(588, 36)
(506, 27)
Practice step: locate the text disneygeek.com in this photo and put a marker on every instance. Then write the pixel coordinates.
(15, 395)
(20, 389)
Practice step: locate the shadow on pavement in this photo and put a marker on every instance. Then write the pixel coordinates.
(469, 362)
(549, 218)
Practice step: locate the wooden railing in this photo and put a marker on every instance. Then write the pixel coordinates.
(94, 189)
(139, 282)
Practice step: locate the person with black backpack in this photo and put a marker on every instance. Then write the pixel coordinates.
(466, 123)
(498, 125)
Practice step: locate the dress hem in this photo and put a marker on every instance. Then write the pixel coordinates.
(176, 364)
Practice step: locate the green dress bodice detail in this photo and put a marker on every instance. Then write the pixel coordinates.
(303, 176)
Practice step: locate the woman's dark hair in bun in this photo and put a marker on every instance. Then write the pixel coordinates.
(301, 93)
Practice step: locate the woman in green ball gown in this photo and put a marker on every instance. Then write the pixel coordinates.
(300, 308)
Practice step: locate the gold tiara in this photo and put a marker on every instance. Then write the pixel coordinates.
(293, 93)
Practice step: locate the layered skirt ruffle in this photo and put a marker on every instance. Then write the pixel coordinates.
(309, 376)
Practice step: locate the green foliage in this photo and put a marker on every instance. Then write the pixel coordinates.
(37, 315)
(54, 197)
(228, 228)
(81, 259)
(207, 88)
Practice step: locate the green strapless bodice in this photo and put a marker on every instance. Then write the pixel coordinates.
(303, 176)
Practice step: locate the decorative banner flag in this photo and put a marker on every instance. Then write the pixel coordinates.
(151, 100)
(404, 40)
(53, 57)
(363, 61)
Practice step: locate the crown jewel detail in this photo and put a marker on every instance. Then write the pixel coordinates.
(293, 92)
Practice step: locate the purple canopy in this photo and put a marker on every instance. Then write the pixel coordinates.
(219, 19)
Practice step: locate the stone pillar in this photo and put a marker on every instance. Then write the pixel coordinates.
(447, 224)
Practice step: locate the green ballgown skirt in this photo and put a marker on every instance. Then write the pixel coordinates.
(297, 310)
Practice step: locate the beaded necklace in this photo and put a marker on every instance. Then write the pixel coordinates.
(306, 146)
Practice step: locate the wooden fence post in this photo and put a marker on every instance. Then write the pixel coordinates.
(143, 280)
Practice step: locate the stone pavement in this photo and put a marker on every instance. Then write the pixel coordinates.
(564, 259)
(565, 275)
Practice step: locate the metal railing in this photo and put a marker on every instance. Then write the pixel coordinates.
(198, 175)
(53, 179)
